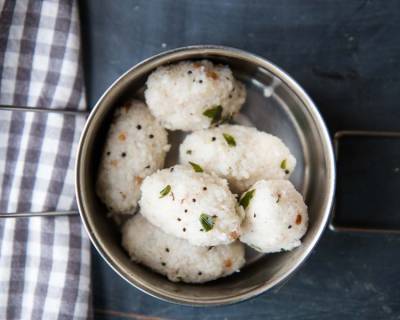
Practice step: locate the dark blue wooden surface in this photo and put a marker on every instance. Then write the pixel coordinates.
(346, 55)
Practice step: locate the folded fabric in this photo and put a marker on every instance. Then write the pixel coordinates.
(44, 262)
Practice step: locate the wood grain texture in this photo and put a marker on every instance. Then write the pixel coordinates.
(346, 55)
(102, 313)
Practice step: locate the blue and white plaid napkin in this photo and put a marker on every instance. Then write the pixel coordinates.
(44, 262)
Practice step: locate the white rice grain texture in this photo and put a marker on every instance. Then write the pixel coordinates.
(177, 258)
(195, 206)
(135, 147)
(193, 95)
(252, 155)
(276, 216)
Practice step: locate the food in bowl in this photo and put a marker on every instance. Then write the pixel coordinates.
(193, 95)
(276, 216)
(191, 206)
(135, 146)
(188, 203)
(242, 155)
(177, 258)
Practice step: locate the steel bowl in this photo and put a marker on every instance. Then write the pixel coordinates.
(275, 104)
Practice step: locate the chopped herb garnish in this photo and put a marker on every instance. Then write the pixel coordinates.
(122, 136)
(207, 221)
(165, 191)
(212, 74)
(244, 202)
(196, 167)
(214, 114)
(229, 140)
(228, 263)
(284, 164)
(188, 151)
(227, 119)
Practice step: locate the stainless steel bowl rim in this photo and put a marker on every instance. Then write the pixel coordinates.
(328, 150)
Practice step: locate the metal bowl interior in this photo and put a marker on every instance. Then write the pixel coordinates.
(275, 104)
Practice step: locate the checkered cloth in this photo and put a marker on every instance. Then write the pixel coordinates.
(44, 262)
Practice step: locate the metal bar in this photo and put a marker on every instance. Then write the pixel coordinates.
(364, 133)
(361, 229)
(44, 110)
(41, 110)
(336, 140)
(37, 214)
